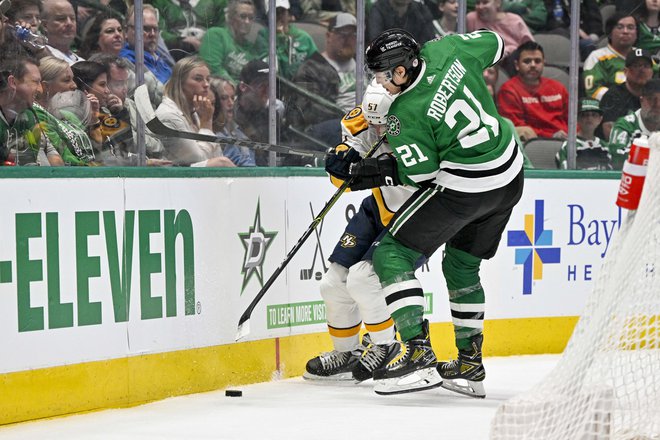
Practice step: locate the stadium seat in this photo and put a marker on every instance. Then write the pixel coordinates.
(556, 73)
(316, 31)
(606, 11)
(542, 152)
(557, 49)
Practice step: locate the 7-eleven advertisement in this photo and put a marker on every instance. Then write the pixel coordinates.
(99, 268)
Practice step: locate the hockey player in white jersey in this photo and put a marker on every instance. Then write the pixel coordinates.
(350, 288)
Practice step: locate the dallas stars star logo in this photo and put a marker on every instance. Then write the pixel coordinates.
(255, 242)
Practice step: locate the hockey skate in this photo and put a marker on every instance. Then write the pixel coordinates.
(467, 367)
(334, 366)
(373, 357)
(413, 367)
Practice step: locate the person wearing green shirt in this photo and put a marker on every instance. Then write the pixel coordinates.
(183, 23)
(293, 45)
(533, 12)
(649, 21)
(591, 151)
(604, 67)
(227, 49)
(21, 141)
(642, 122)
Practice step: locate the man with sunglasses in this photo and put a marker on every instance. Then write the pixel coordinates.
(449, 141)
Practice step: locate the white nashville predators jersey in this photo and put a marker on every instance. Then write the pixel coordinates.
(357, 134)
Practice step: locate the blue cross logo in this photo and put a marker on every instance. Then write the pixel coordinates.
(533, 245)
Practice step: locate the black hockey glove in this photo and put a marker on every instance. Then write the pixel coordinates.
(374, 172)
(339, 159)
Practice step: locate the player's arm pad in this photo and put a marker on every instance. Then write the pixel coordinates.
(339, 159)
(374, 172)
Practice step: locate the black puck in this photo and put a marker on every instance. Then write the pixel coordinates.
(233, 393)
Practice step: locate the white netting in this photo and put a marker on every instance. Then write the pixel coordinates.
(607, 383)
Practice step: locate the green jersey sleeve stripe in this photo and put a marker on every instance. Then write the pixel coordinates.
(499, 54)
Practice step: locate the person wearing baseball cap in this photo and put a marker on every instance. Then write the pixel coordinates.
(591, 151)
(293, 45)
(623, 98)
(330, 75)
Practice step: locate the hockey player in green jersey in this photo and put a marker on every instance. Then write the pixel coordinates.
(449, 141)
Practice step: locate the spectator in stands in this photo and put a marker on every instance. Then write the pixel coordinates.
(186, 107)
(27, 13)
(604, 67)
(155, 61)
(644, 121)
(409, 15)
(21, 142)
(114, 137)
(251, 111)
(510, 27)
(184, 23)
(322, 11)
(446, 24)
(591, 24)
(105, 34)
(648, 15)
(119, 72)
(59, 24)
(591, 151)
(223, 97)
(533, 12)
(227, 50)
(623, 99)
(293, 45)
(68, 134)
(491, 75)
(329, 75)
(537, 106)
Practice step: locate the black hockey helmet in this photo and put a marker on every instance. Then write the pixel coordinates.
(393, 47)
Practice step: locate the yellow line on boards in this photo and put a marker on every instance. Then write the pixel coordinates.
(125, 382)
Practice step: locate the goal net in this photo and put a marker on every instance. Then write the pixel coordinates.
(607, 383)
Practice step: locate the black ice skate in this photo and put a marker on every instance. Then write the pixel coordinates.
(334, 366)
(375, 356)
(413, 367)
(467, 367)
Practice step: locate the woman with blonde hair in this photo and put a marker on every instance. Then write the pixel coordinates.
(69, 132)
(186, 107)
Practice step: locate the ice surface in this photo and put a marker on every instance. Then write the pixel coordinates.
(296, 409)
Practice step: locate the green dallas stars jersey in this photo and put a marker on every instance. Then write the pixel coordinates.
(445, 126)
(623, 132)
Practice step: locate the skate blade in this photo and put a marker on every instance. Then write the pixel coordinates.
(420, 380)
(472, 389)
(337, 379)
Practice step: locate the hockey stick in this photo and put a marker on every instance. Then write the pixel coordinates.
(146, 111)
(244, 321)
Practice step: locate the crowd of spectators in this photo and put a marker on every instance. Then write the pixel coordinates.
(68, 100)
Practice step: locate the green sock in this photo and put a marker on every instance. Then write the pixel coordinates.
(408, 321)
